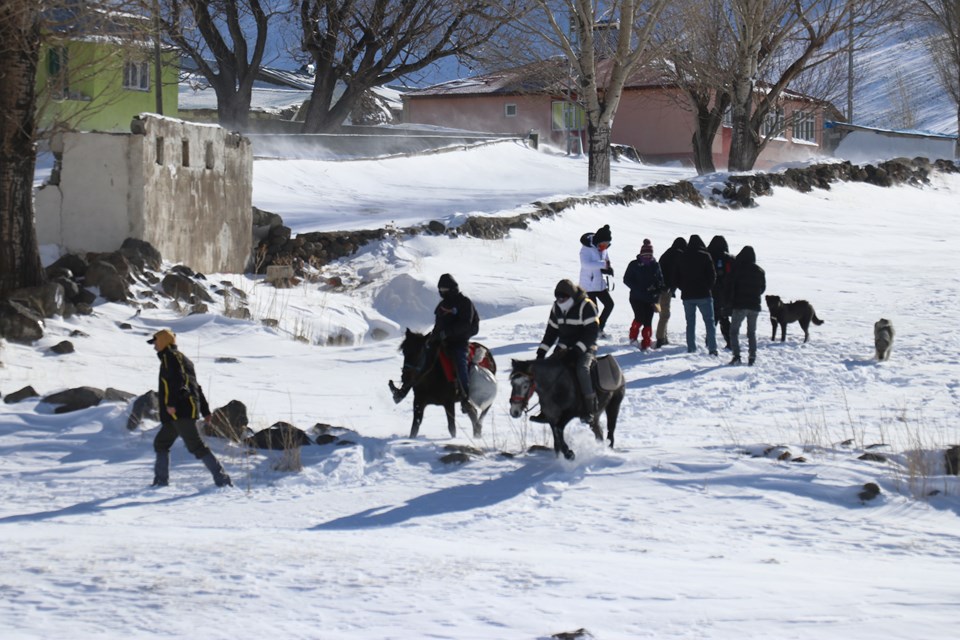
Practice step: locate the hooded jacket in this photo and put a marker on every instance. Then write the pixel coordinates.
(719, 252)
(695, 274)
(747, 281)
(594, 263)
(576, 328)
(455, 318)
(178, 387)
(670, 263)
(644, 278)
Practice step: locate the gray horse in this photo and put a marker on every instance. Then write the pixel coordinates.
(555, 383)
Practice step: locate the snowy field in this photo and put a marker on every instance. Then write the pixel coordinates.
(690, 528)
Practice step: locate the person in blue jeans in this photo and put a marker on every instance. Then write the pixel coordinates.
(695, 279)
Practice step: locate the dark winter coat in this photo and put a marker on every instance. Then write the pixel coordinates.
(578, 328)
(456, 319)
(670, 262)
(179, 388)
(695, 275)
(644, 279)
(723, 264)
(746, 282)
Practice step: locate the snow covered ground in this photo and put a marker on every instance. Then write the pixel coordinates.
(690, 528)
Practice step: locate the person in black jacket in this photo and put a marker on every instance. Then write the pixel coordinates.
(574, 327)
(695, 279)
(645, 281)
(181, 403)
(745, 286)
(456, 321)
(723, 265)
(669, 262)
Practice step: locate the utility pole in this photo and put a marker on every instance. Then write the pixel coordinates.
(158, 71)
(850, 64)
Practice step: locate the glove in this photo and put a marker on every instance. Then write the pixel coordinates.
(607, 271)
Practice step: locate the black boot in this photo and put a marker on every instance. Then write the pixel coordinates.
(589, 413)
(735, 360)
(161, 469)
(220, 477)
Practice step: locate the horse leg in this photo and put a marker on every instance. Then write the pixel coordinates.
(451, 419)
(476, 420)
(613, 410)
(559, 444)
(417, 418)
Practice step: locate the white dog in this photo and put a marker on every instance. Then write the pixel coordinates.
(883, 338)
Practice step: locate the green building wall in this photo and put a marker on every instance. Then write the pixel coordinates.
(94, 98)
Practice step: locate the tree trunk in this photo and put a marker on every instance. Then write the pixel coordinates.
(598, 163)
(19, 254)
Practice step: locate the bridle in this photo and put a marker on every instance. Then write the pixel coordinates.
(523, 400)
(419, 370)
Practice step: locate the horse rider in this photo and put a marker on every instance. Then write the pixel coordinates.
(456, 321)
(574, 327)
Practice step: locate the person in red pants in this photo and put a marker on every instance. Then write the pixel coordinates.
(645, 281)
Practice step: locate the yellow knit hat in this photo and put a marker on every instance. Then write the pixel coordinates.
(163, 339)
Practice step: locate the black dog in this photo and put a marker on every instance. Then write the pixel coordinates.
(783, 314)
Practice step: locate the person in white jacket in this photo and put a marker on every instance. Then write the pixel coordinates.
(594, 265)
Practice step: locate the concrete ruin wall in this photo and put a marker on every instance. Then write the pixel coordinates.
(185, 188)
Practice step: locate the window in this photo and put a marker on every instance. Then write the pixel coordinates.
(804, 126)
(208, 155)
(159, 155)
(136, 76)
(510, 110)
(567, 116)
(57, 65)
(186, 153)
(773, 123)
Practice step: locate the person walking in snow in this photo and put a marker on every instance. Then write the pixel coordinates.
(645, 281)
(695, 278)
(456, 321)
(594, 265)
(723, 264)
(745, 285)
(181, 402)
(669, 263)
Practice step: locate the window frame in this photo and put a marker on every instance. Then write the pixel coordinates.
(136, 75)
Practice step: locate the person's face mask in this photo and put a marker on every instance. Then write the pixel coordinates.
(565, 305)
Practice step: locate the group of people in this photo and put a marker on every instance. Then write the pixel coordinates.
(722, 289)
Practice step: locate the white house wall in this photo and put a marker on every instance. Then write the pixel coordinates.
(196, 212)
(88, 209)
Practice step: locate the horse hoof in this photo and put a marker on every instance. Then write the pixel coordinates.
(569, 455)
(476, 433)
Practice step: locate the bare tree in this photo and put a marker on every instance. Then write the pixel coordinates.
(697, 56)
(944, 16)
(19, 54)
(356, 45)
(227, 42)
(776, 42)
(604, 47)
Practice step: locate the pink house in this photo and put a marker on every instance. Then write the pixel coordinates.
(653, 117)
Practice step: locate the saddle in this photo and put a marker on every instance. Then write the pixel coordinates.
(477, 355)
(606, 374)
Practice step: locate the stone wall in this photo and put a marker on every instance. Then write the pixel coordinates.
(185, 188)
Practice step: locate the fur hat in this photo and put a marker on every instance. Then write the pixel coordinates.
(602, 235)
(564, 288)
(163, 339)
(647, 248)
(447, 282)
